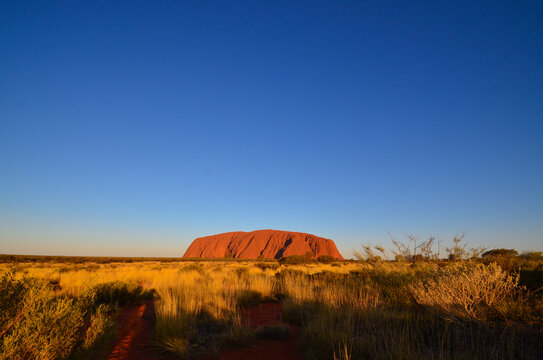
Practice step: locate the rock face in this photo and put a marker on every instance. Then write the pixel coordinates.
(265, 243)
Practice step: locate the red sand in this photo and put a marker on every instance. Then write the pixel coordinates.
(283, 349)
(136, 327)
(266, 243)
(134, 334)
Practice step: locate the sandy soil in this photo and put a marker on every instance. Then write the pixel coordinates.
(136, 328)
(283, 349)
(134, 334)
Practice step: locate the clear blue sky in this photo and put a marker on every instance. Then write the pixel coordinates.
(130, 128)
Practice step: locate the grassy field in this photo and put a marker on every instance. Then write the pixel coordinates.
(58, 308)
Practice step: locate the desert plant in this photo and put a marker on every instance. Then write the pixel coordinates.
(296, 259)
(273, 332)
(96, 340)
(499, 252)
(120, 293)
(458, 250)
(35, 324)
(369, 253)
(465, 290)
(414, 250)
(326, 259)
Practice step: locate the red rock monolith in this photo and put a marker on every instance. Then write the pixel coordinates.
(261, 243)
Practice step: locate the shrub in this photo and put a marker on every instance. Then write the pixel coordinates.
(499, 252)
(465, 290)
(273, 332)
(119, 293)
(248, 298)
(289, 273)
(192, 267)
(33, 323)
(264, 266)
(326, 259)
(237, 336)
(96, 340)
(296, 259)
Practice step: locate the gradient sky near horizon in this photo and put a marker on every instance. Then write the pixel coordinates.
(130, 128)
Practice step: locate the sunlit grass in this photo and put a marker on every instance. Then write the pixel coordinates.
(346, 310)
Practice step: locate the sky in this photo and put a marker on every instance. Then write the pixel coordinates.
(131, 128)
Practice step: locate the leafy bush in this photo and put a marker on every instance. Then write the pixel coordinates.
(33, 323)
(102, 328)
(266, 265)
(296, 259)
(326, 259)
(192, 267)
(120, 293)
(499, 252)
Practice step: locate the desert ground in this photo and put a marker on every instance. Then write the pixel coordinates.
(295, 308)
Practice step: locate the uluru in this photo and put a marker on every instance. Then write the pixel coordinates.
(273, 244)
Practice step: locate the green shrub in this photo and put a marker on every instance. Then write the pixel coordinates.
(97, 338)
(326, 259)
(120, 293)
(500, 252)
(294, 260)
(266, 265)
(192, 267)
(34, 324)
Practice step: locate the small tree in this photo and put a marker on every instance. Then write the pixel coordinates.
(500, 252)
(532, 255)
(458, 250)
(326, 259)
(475, 253)
(308, 256)
(414, 250)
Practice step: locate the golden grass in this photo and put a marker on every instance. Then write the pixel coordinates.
(347, 310)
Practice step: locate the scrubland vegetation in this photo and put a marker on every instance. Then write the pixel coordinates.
(415, 307)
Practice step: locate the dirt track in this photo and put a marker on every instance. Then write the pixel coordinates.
(135, 333)
(254, 317)
(136, 328)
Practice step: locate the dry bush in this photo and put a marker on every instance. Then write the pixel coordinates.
(465, 290)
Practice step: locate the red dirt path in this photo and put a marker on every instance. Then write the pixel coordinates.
(283, 349)
(136, 327)
(134, 334)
